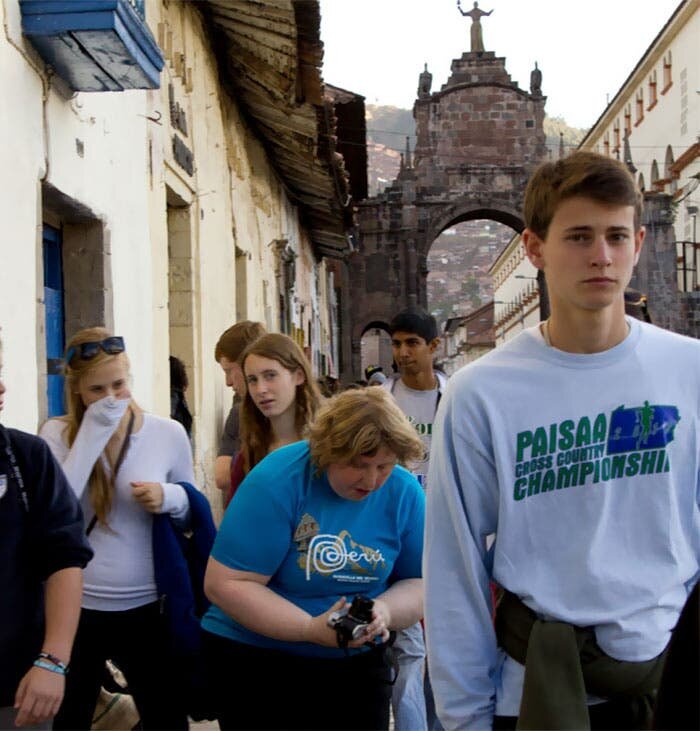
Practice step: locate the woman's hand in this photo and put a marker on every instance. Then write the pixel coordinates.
(109, 410)
(381, 621)
(149, 495)
(318, 631)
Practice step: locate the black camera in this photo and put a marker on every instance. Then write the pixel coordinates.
(350, 623)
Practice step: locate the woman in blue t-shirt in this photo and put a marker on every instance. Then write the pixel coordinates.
(314, 524)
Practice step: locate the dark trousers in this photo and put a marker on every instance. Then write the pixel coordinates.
(621, 715)
(256, 688)
(136, 641)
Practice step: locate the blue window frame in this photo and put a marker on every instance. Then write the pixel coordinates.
(139, 7)
(94, 45)
(54, 309)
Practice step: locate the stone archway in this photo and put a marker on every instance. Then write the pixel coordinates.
(466, 210)
(478, 140)
(375, 346)
(375, 325)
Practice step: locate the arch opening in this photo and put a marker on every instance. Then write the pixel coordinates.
(459, 260)
(375, 347)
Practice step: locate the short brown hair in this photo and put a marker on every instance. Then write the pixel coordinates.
(582, 173)
(359, 422)
(236, 339)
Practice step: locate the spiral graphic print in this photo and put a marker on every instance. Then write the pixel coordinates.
(327, 553)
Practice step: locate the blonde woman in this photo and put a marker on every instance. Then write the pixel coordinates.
(314, 524)
(280, 401)
(122, 464)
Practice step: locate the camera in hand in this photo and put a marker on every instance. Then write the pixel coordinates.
(350, 623)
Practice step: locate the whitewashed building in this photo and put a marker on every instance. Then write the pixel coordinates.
(515, 292)
(653, 125)
(210, 193)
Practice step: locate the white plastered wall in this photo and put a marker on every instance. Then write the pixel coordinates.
(121, 171)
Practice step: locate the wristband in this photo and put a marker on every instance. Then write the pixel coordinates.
(48, 666)
(53, 659)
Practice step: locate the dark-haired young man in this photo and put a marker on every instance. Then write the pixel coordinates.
(227, 354)
(417, 389)
(576, 446)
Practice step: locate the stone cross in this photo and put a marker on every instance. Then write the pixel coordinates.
(475, 14)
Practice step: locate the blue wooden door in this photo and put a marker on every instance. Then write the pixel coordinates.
(55, 331)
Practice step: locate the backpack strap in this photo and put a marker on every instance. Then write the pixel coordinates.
(16, 473)
(117, 464)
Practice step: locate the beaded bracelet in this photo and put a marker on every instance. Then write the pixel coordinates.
(53, 659)
(48, 666)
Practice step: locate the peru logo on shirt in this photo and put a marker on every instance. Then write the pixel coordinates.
(329, 554)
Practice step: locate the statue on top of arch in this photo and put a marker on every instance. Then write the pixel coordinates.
(477, 37)
(536, 81)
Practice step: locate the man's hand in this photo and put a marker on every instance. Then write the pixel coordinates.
(149, 495)
(38, 696)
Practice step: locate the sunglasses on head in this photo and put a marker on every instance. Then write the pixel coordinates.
(87, 351)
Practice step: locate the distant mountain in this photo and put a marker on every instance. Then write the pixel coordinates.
(388, 127)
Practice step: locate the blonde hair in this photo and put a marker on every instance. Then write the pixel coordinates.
(256, 430)
(100, 484)
(359, 422)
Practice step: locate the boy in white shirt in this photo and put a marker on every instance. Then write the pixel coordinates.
(576, 445)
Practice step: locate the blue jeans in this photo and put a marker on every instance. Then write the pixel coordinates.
(408, 698)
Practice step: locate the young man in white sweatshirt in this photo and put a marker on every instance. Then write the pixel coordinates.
(564, 468)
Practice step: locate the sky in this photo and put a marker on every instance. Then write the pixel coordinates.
(585, 50)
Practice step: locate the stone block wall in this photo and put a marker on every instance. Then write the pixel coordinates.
(478, 140)
(656, 274)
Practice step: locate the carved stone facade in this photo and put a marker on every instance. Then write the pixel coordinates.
(478, 139)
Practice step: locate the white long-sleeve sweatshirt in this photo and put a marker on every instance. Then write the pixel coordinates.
(585, 467)
(121, 574)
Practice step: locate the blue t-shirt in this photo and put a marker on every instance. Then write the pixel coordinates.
(288, 523)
